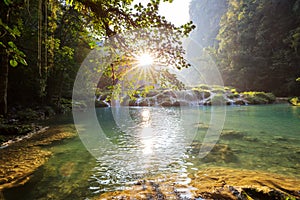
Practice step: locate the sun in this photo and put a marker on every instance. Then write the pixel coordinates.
(145, 59)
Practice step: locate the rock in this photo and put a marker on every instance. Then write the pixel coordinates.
(214, 152)
(218, 99)
(212, 183)
(225, 183)
(240, 102)
(282, 100)
(202, 126)
(201, 94)
(180, 103)
(20, 159)
(132, 103)
(99, 104)
(207, 103)
(166, 104)
(215, 95)
(250, 139)
(143, 102)
(169, 93)
(280, 138)
(164, 187)
(152, 93)
(231, 134)
(162, 98)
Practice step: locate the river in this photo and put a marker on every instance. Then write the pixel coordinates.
(150, 141)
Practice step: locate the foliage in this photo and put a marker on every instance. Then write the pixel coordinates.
(10, 31)
(55, 37)
(257, 42)
(27, 114)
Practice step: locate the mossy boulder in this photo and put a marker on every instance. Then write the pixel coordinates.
(259, 97)
(218, 90)
(218, 99)
(201, 94)
(295, 101)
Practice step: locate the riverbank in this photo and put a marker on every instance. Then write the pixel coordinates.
(19, 160)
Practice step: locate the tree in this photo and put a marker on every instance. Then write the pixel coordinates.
(120, 23)
(56, 35)
(258, 45)
(10, 54)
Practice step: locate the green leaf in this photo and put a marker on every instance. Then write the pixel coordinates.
(23, 61)
(13, 63)
(7, 2)
(298, 79)
(12, 44)
(1, 44)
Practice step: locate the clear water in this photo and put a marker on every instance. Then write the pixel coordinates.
(162, 141)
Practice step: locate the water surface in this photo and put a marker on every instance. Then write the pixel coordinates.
(161, 141)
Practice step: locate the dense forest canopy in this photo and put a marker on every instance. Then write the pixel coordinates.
(43, 43)
(256, 45)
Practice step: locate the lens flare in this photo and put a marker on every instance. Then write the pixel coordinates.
(145, 60)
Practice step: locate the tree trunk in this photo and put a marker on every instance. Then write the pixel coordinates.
(3, 81)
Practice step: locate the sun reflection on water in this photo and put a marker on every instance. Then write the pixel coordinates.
(145, 115)
(146, 133)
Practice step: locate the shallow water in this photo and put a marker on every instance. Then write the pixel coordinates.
(148, 142)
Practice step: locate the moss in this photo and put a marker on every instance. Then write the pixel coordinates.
(233, 96)
(218, 89)
(233, 90)
(204, 87)
(259, 97)
(200, 93)
(295, 101)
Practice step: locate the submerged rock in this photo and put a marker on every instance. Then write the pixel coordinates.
(158, 188)
(212, 183)
(231, 134)
(20, 159)
(214, 153)
(225, 183)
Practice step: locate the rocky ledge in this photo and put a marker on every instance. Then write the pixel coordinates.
(202, 95)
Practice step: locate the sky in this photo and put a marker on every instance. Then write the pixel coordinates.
(176, 12)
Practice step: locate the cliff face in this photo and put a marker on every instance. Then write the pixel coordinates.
(206, 15)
